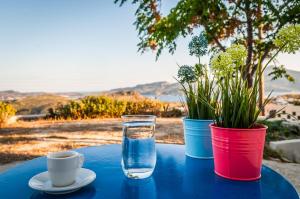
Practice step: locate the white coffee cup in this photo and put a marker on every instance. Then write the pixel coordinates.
(63, 167)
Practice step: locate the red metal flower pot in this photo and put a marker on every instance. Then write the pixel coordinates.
(238, 153)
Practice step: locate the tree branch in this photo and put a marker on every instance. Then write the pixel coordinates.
(249, 42)
(216, 40)
(219, 44)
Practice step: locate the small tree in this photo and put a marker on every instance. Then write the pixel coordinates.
(252, 23)
(6, 111)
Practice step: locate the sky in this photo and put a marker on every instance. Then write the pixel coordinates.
(81, 45)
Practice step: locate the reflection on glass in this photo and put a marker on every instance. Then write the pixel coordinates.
(237, 189)
(138, 189)
(198, 180)
(86, 192)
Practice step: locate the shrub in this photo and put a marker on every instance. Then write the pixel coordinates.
(104, 107)
(6, 111)
(277, 131)
(174, 112)
(296, 103)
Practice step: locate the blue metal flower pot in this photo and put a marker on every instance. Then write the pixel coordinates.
(197, 138)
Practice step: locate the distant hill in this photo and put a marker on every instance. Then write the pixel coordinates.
(11, 95)
(165, 88)
(153, 89)
(37, 104)
(282, 85)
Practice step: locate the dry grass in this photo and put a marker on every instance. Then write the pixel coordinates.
(27, 140)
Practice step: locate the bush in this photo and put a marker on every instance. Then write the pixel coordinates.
(105, 107)
(6, 111)
(277, 131)
(174, 112)
(296, 103)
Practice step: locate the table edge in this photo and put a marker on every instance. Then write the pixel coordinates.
(107, 145)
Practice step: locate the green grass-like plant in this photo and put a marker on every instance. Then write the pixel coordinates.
(198, 84)
(237, 107)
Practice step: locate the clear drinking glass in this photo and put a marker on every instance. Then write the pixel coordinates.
(138, 148)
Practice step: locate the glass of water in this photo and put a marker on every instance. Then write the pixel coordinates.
(138, 147)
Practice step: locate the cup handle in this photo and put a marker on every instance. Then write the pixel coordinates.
(80, 160)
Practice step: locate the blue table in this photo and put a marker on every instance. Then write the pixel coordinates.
(175, 176)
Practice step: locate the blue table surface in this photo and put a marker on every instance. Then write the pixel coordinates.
(175, 176)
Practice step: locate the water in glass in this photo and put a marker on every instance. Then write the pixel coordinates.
(138, 149)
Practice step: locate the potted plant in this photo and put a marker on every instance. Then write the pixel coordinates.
(237, 138)
(198, 88)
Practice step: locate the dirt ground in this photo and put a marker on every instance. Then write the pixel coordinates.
(26, 140)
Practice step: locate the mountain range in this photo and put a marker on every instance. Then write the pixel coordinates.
(163, 88)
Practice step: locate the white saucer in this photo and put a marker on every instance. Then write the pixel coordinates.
(42, 182)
